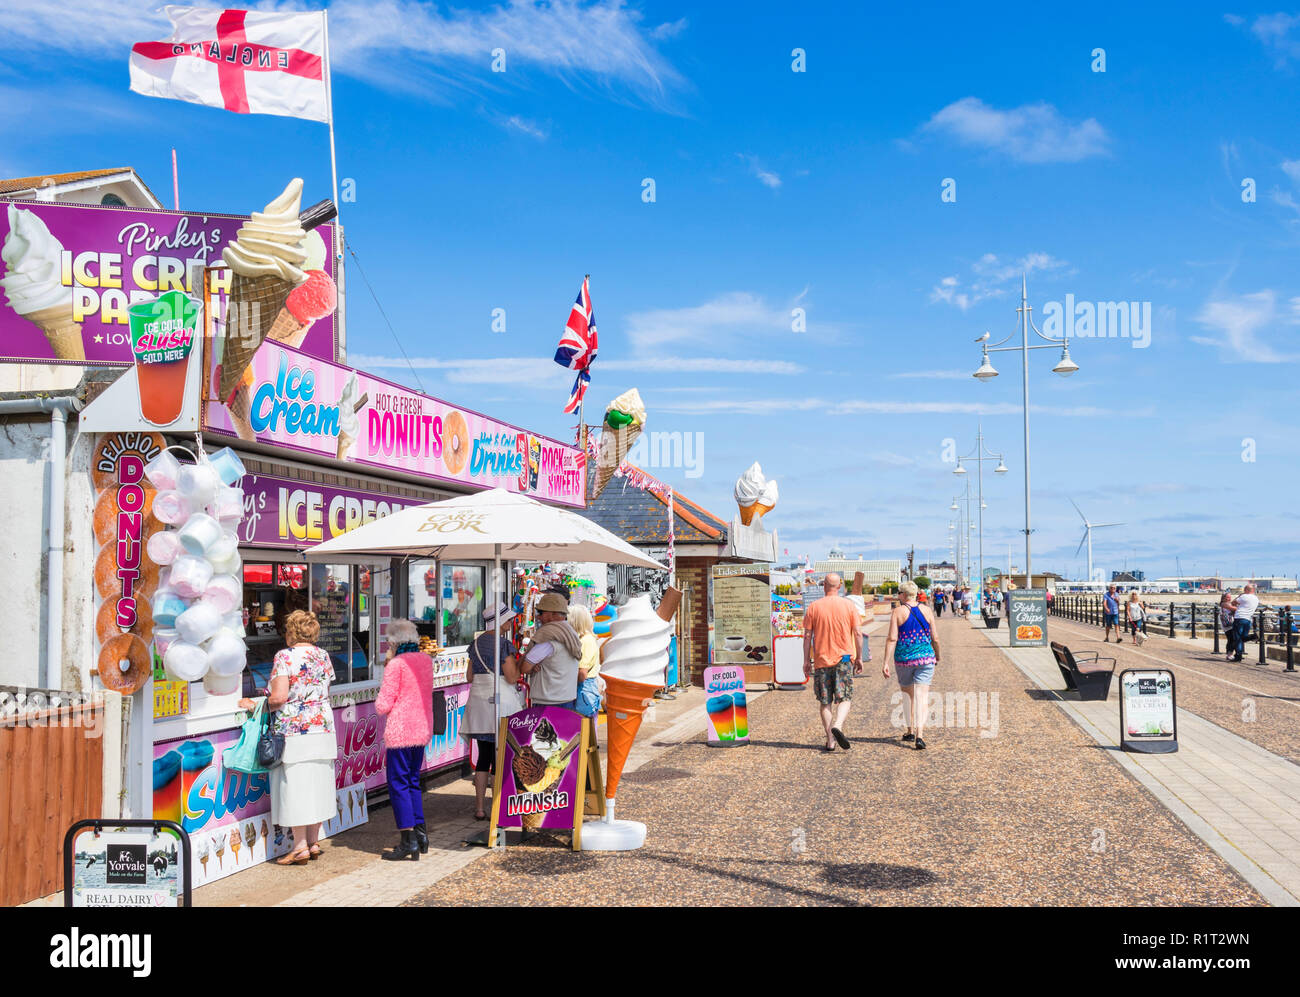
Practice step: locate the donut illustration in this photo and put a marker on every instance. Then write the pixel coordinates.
(106, 627)
(131, 649)
(455, 442)
(108, 585)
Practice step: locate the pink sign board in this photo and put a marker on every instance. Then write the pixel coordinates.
(360, 732)
(300, 402)
(71, 271)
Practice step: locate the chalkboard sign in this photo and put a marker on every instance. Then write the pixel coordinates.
(1027, 617)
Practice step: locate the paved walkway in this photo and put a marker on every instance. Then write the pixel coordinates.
(1011, 804)
(1238, 797)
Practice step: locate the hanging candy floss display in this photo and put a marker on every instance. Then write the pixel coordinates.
(200, 633)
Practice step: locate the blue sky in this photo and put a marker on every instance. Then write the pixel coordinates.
(777, 190)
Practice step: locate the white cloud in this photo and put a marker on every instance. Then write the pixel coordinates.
(725, 317)
(934, 375)
(544, 372)
(992, 277)
(781, 406)
(527, 127)
(1291, 167)
(1031, 133)
(765, 177)
(1244, 322)
(1274, 32)
(435, 46)
(670, 29)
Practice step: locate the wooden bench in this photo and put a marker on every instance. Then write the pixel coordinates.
(1091, 678)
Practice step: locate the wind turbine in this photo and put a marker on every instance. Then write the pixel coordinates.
(1087, 535)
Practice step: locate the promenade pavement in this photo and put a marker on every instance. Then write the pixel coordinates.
(1012, 805)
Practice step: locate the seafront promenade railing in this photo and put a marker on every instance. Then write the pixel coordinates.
(1273, 628)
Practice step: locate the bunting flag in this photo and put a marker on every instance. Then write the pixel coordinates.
(577, 349)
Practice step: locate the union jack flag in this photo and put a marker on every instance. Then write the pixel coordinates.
(577, 347)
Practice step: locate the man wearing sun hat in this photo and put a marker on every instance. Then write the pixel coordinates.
(551, 663)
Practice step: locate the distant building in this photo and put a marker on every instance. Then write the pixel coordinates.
(1128, 576)
(943, 573)
(874, 572)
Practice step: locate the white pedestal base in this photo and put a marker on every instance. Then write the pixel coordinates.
(610, 835)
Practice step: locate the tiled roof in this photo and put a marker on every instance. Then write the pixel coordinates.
(28, 183)
(640, 516)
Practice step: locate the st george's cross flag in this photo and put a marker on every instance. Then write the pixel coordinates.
(246, 61)
(577, 347)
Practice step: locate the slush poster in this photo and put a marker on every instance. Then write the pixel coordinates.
(301, 403)
(72, 271)
(726, 705)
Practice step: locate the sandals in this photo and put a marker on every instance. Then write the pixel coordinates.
(840, 739)
(920, 743)
(314, 852)
(909, 736)
(294, 858)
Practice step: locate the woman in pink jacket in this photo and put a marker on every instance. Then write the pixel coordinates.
(406, 698)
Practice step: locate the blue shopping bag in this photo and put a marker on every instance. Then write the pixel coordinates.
(242, 756)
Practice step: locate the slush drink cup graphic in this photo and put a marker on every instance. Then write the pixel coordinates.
(742, 715)
(162, 338)
(167, 787)
(722, 715)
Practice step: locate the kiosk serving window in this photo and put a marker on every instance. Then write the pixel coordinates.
(343, 598)
(452, 589)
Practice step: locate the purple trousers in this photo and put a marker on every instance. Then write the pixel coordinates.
(404, 794)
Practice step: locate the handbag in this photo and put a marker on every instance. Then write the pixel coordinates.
(242, 756)
(270, 745)
(510, 699)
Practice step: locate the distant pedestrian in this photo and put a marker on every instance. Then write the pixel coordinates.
(915, 650)
(406, 699)
(1226, 617)
(1243, 608)
(832, 655)
(965, 603)
(1110, 615)
(1136, 614)
(939, 597)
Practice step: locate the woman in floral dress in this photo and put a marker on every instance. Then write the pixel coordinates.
(302, 785)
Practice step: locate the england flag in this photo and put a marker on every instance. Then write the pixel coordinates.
(245, 61)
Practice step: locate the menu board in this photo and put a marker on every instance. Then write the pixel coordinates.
(331, 596)
(742, 615)
(1148, 710)
(1027, 617)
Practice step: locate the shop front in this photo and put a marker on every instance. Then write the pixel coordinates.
(302, 485)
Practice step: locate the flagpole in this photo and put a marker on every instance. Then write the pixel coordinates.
(334, 173)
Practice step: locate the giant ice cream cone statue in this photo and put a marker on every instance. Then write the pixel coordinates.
(33, 286)
(266, 258)
(754, 494)
(623, 422)
(633, 663)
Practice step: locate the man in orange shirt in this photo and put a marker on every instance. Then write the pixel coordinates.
(832, 655)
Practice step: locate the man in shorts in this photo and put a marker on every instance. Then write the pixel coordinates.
(1110, 615)
(832, 655)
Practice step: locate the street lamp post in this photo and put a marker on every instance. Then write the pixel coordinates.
(963, 531)
(979, 455)
(1065, 367)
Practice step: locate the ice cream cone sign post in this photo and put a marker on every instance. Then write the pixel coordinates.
(624, 419)
(633, 663)
(754, 494)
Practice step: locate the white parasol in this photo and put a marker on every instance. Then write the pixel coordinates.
(489, 525)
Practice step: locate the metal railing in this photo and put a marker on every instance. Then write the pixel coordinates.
(1272, 628)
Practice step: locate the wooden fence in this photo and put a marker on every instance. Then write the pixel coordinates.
(51, 775)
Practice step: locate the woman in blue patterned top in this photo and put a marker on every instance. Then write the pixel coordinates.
(914, 647)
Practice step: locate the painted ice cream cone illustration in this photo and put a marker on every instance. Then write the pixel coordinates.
(338, 803)
(540, 765)
(349, 421)
(204, 855)
(754, 494)
(633, 662)
(264, 828)
(221, 851)
(361, 801)
(623, 422)
(32, 283)
(266, 257)
(250, 837)
(235, 841)
(352, 807)
(240, 407)
(313, 299)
